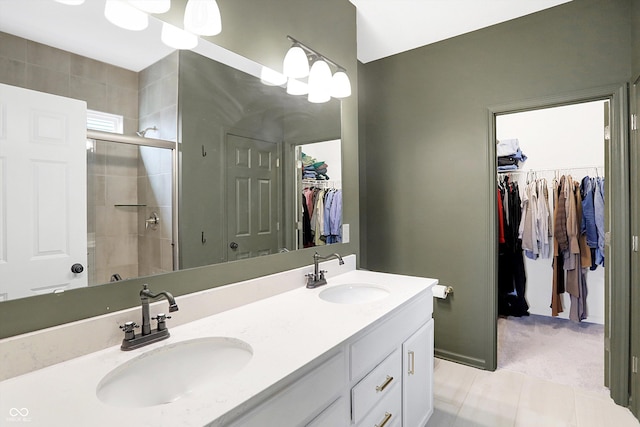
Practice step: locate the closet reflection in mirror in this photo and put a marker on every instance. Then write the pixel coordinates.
(320, 191)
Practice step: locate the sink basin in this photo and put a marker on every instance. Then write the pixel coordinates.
(168, 373)
(355, 293)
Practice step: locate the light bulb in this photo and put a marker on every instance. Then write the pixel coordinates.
(296, 87)
(319, 82)
(202, 17)
(295, 63)
(152, 6)
(340, 85)
(122, 14)
(178, 38)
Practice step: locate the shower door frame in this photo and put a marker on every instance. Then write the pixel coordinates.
(155, 143)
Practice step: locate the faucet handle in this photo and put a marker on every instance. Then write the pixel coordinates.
(161, 317)
(128, 329)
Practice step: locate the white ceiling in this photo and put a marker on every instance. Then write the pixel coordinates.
(388, 27)
(385, 27)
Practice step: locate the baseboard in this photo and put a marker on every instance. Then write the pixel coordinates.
(459, 358)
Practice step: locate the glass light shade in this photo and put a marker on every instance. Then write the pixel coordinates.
(319, 82)
(71, 2)
(340, 85)
(271, 77)
(122, 14)
(202, 17)
(295, 63)
(152, 6)
(296, 87)
(177, 38)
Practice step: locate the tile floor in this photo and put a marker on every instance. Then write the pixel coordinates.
(466, 396)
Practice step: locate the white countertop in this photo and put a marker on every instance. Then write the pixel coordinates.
(285, 331)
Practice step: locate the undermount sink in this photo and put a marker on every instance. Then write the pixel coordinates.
(355, 293)
(166, 374)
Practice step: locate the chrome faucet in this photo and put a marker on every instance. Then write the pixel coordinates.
(148, 336)
(317, 278)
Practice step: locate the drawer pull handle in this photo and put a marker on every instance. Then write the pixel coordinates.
(387, 417)
(384, 384)
(412, 363)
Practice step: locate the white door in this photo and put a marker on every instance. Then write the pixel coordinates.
(252, 197)
(43, 221)
(417, 377)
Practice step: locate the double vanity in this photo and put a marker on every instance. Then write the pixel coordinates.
(357, 351)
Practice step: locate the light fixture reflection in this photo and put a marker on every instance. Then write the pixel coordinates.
(319, 82)
(271, 77)
(122, 14)
(340, 85)
(202, 17)
(178, 38)
(152, 6)
(295, 63)
(296, 87)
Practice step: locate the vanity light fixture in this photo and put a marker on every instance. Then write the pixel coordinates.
(152, 6)
(296, 63)
(319, 82)
(124, 15)
(322, 85)
(202, 17)
(178, 38)
(340, 85)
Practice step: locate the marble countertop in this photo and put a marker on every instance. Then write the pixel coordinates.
(286, 332)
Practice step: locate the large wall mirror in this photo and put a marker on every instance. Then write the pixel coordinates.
(247, 169)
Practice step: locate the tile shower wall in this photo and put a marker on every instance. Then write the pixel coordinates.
(25, 63)
(113, 200)
(158, 101)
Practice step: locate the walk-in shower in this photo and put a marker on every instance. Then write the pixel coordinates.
(129, 180)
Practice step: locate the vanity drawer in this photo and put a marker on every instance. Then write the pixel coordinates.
(387, 413)
(376, 386)
(367, 351)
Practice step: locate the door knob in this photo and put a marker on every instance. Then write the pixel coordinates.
(233, 245)
(77, 268)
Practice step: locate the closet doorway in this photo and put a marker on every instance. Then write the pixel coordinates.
(552, 327)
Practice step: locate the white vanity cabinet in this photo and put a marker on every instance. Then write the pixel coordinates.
(382, 376)
(417, 376)
(392, 369)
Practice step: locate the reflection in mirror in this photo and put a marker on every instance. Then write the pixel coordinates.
(223, 119)
(320, 192)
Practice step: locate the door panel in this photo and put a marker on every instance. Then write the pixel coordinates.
(635, 255)
(43, 221)
(252, 197)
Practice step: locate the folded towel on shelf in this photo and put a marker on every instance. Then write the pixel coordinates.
(507, 147)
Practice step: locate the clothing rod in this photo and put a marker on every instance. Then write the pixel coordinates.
(551, 170)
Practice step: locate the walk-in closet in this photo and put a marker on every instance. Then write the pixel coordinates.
(551, 270)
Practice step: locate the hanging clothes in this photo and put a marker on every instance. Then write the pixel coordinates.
(511, 274)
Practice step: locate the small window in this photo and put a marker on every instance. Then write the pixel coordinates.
(105, 122)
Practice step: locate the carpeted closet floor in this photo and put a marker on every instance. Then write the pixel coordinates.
(554, 349)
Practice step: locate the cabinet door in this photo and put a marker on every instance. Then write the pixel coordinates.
(417, 377)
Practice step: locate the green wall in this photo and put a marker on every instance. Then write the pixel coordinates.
(256, 29)
(426, 127)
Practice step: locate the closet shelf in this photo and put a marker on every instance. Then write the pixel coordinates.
(126, 205)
